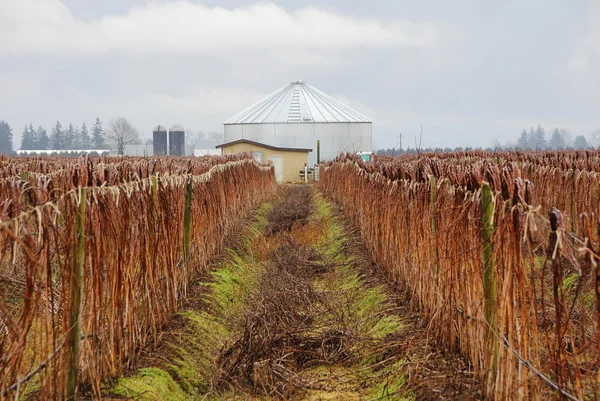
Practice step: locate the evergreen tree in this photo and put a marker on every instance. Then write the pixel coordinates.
(580, 142)
(84, 137)
(523, 142)
(557, 141)
(531, 139)
(566, 136)
(76, 139)
(43, 142)
(28, 139)
(57, 137)
(6, 136)
(539, 139)
(70, 137)
(98, 134)
(34, 137)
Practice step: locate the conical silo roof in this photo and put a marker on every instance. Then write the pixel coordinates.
(298, 102)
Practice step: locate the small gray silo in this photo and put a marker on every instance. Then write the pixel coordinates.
(177, 140)
(159, 140)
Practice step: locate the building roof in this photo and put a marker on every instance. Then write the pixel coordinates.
(297, 102)
(159, 128)
(262, 145)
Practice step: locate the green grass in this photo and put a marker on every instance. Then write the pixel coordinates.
(570, 282)
(193, 364)
(258, 227)
(390, 387)
(363, 304)
(363, 308)
(538, 263)
(233, 282)
(241, 272)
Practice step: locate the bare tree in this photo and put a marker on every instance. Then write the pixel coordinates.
(217, 136)
(418, 146)
(595, 139)
(120, 132)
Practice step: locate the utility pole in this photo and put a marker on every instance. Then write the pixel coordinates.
(400, 138)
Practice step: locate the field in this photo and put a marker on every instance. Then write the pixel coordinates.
(467, 275)
(499, 252)
(96, 254)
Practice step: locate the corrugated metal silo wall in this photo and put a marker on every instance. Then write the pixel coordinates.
(177, 143)
(159, 140)
(335, 137)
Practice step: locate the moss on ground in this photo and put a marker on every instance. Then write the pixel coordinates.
(150, 384)
(193, 364)
(391, 385)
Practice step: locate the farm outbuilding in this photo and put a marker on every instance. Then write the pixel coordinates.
(288, 162)
(159, 140)
(298, 115)
(177, 140)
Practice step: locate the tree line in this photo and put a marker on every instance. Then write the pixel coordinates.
(60, 138)
(532, 139)
(119, 133)
(535, 139)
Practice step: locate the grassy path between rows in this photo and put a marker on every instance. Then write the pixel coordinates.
(296, 310)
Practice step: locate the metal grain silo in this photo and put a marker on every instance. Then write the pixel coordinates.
(298, 115)
(177, 140)
(159, 140)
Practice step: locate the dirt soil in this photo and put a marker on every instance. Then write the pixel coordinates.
(296, 309)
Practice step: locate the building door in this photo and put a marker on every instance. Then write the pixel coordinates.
(278, 164)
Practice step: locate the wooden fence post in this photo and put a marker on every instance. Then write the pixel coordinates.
(153, 213)
(26, 178)
(489, 271)
(557, 281)
(154, 189)
(318, 151)
(74, 334)
(187, 219)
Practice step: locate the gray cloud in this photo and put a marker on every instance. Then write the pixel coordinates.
(471, 72)
(184, 27)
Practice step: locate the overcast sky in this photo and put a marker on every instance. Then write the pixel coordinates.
(472, 72)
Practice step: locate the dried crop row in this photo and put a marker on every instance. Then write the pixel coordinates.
(16, 166)
(28, 182)
(427, 234)
(569, 181)
(587, 160)
(138, 245)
